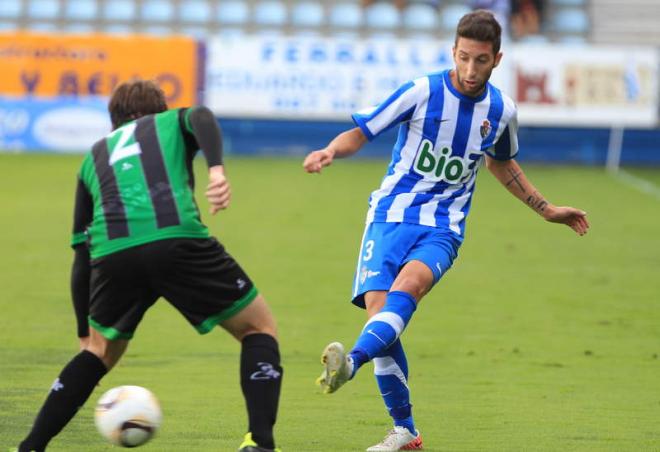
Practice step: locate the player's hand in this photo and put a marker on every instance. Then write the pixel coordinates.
(218, 191)
(576, 219)
(317, 160)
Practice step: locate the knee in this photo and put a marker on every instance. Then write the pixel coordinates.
(255, 319)
(413, 284)
(262, 321)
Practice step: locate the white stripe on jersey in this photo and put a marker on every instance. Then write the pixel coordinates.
(398, 207)
(410, 96)
(475, 139)
(386, 186)
(384, 119)
(456, 213)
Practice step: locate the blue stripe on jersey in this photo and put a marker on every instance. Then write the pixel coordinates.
(430, 130)
(494, 116)
(466, 209)
(432, 119)
(458, 147)
(402, 137)
(362, 120)
(463, 127)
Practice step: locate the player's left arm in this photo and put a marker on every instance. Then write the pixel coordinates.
(511, 175)
(80, 275)
(206, 130)
(81, 268)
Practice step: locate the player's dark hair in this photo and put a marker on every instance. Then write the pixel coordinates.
(480, 25)
(134, 99)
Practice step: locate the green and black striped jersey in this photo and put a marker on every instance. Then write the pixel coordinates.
(136, 186)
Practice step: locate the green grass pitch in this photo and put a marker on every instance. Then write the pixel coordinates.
(536, 340)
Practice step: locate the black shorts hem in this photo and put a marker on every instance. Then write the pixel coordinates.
(109, 332)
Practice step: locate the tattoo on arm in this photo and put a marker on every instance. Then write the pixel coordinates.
(537, 202)
(515, 177)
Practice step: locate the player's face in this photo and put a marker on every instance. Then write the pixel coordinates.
(475, 62)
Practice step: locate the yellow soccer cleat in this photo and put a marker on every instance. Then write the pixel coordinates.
(338, 368)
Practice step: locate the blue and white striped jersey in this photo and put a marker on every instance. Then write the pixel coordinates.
(443, 136)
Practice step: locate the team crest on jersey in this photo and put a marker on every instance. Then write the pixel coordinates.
(485, 128)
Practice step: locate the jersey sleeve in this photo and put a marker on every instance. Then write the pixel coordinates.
(207, 133)
(82, 214)
(397, 108)
(184, 118)
(187, 131)
(505, 146)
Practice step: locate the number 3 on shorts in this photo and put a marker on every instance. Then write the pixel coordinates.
(368, 250)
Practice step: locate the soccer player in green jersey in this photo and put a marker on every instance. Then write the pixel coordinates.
(138, 236)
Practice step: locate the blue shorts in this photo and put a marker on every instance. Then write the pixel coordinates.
(387, 247)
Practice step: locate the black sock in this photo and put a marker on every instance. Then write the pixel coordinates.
(68, 393)
(261, 380)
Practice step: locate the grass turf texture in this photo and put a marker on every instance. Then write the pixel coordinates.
(536, 339)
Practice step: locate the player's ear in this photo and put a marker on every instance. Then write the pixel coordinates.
(498, 58)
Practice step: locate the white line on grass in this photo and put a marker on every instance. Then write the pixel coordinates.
(637, 182)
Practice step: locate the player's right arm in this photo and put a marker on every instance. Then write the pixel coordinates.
(399, 107)
(343, 145)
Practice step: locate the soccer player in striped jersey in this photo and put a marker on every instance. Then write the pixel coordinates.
(138, 236)
(449, 124)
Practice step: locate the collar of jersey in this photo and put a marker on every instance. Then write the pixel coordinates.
(453, 90)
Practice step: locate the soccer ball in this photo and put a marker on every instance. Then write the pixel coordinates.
(128, 416)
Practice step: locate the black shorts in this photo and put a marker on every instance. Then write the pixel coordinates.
(196, 276)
